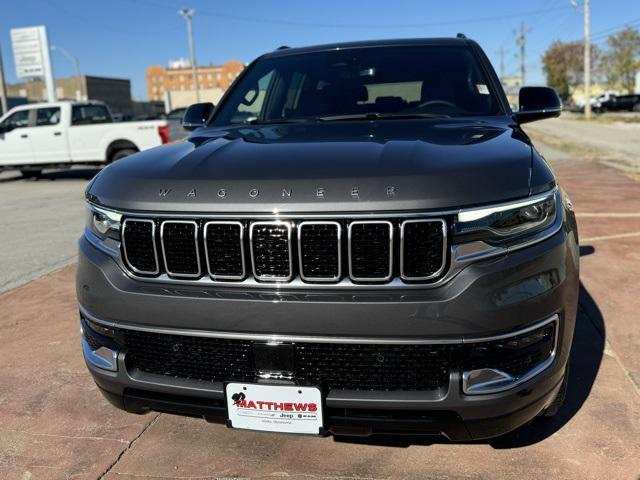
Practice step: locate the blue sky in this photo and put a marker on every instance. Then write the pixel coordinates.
(121, 38)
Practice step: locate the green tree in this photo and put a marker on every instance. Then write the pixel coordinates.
(563, 65)
(623, 58)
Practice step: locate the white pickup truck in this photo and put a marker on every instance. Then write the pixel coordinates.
(60, 134)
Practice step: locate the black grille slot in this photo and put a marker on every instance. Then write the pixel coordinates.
(513, 355)
(329, 365)
(319, 250)
(195, 358)
(271, 250)
(370, 250)
(374, 367)
(180, 248)
(224, 249)
(422, 249)
(139, 246)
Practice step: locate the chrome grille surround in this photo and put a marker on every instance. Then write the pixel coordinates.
(402, 249)
(155, 250)
(306, 278)
(357, 278)
(269, 277)
(242, 256)
(195, 244)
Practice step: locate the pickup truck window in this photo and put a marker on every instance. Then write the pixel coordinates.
(90, 114)
(47, 116)
(400, 81)
(19, 119)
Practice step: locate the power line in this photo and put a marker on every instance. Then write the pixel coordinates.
(243, 18)
(521, 41)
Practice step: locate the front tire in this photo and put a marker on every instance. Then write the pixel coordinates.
(120, 154)
(30, 173)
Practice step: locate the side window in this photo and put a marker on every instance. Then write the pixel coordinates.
(17, 120)
(253, 103)
(47, 116)
(89, 114)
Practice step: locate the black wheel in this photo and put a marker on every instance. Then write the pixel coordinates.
(30, 173)
(555, 406)
(636, 107)
(119, 154)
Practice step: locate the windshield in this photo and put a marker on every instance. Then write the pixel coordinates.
(374, 82)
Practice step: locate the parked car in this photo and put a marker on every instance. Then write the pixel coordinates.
(360, 239)
(60, 134)
(620, 103)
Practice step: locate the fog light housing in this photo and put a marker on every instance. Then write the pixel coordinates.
(499, 363)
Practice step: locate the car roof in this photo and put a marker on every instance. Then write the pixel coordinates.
(285, 51)
(28, 106)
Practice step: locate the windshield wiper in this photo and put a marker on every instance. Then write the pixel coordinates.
(381, 116)
(257, 121)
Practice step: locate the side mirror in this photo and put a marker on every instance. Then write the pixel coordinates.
(197, 115)
(537, 103)
(6, 128)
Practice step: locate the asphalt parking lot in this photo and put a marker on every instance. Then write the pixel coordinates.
(55, 424)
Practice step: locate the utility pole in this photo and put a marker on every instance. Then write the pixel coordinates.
(187, 13)
(501, 52)
(521, 41)
(3, 88)
(587, 61)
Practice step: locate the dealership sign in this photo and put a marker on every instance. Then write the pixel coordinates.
(31, 55)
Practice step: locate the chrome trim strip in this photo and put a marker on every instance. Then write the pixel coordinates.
(275, 338)
(153, 241)
(500, 386)
(284, 215)
(301, 225)
(371, 279)
(195, 241)
(272, 278)
(444, 249)
(206, 250)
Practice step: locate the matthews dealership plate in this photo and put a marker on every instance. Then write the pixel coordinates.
(274, 408)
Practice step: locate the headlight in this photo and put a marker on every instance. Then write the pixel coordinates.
(501, 224)
(103, 223)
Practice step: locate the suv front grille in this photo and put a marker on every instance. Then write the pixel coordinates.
(375, 251)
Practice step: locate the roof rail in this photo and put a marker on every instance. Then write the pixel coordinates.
(461, 35)
(283, 47)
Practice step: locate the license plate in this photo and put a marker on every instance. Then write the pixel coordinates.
(274, 408)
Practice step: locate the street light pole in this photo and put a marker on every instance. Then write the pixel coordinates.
(587, 61)
(187, 13)
(76, 62)
(3, 88)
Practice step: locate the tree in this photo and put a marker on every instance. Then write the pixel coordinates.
(563, 65)
(623, 58)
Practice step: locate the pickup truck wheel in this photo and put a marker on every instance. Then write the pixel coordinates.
(27, 173)
(636, 107)
(119, 154)
(555, 406)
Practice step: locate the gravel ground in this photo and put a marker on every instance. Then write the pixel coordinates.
(615, 141)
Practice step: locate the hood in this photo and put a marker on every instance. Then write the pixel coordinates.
(325, 167)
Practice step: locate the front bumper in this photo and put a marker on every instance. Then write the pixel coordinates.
(493, 297)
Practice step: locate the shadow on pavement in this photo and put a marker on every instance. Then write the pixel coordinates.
(586, 355)
(71, 174)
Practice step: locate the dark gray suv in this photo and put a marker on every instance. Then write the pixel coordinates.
(359, 239)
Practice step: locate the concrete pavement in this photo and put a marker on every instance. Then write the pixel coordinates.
(54, 424)
(41, 220)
